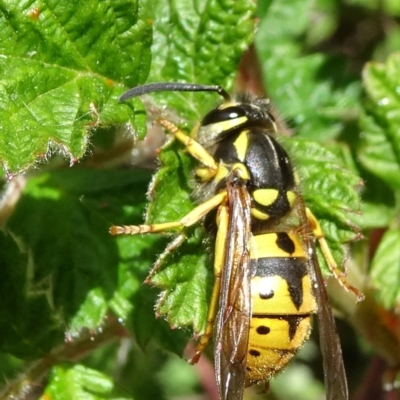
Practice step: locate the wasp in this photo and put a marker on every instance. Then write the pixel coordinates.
(268, 282)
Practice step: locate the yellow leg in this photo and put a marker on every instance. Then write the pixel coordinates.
(222, 221)
(189, 219)
(337, 273)
(194, 148)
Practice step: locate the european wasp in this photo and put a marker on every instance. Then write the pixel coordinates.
(267, 278)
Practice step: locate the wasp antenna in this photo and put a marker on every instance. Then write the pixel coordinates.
(172, 87)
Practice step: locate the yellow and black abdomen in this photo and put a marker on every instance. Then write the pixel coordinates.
(282, 304)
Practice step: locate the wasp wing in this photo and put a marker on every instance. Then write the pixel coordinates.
(233, 318)
(334, 371)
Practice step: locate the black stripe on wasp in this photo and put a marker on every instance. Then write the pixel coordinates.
(268, 282)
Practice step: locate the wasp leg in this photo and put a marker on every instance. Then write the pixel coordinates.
(169, 249)
(194, 148)
(222, 222)
(337, 273)
(189, 219)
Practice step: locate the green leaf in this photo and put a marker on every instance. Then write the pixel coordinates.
(378, 206)
(368, 4)
(60, 261)
(376, 153)
(385, 270)
(392, 7)
(146, 325)
(28, 327)
(8, 366)
(91, 313)
(379, 151)
(79, 382)
(324, 15)
(171, 188)
(58, 74)
(311, 90)
(186, 282)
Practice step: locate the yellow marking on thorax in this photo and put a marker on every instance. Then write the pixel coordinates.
(265, 245)
(291, 196)
(241, 171)
(241, 145)
(265, 197)
(259, 214)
